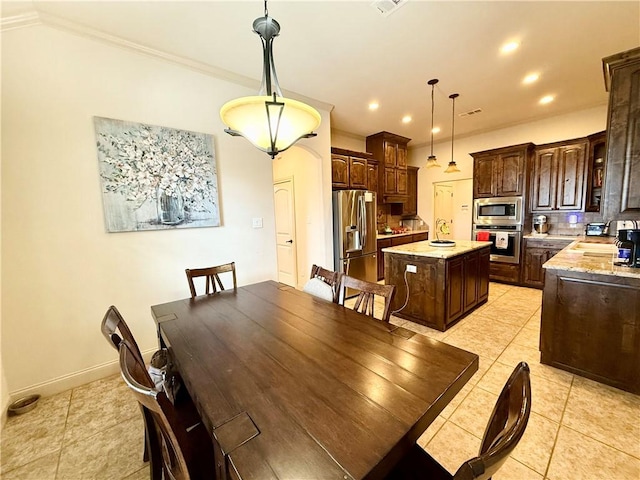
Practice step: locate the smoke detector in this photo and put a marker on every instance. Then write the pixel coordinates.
(387, 7)
(471, 112)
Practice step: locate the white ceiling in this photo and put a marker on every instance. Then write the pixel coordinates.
(346, 54)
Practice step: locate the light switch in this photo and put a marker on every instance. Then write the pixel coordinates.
(257, 222)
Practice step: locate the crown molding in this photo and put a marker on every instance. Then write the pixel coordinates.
(40, 18)
(27, 19)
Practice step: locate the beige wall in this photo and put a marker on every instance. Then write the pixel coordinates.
(564, 127)
(60, 268)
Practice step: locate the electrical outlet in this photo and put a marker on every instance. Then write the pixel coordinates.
(412, 269)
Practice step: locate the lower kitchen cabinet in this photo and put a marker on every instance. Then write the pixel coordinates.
(392, 242)
(504, 272)
(536, 253)
(590, 326)
(442, 291)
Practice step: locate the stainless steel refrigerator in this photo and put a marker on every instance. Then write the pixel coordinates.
(354, 234)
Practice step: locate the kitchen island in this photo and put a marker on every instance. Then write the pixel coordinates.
(444, 283)
(591, 314)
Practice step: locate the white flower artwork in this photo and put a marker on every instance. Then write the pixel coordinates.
(156, 177)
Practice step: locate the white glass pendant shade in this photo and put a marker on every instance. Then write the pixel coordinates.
(270, 126)
(432, 161)
(452, 168)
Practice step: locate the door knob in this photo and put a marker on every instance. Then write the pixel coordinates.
(289, 241)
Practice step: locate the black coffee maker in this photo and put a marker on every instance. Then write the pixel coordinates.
(630, 239)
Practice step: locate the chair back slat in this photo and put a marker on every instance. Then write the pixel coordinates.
(365, 301)
(329, 277)
(115, 330)
(211, 279)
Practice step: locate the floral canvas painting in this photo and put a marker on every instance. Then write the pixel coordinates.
(156, 177)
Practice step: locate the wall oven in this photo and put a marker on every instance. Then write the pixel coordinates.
(497, 211)
(505, 241)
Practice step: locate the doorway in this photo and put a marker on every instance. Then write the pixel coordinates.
(285, 218)
(453, 202)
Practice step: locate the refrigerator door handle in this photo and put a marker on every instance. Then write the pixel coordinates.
(362, 220)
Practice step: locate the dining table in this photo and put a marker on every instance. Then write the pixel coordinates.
(291, 386)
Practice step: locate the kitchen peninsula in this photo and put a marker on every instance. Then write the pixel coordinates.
(444, 283)
(591, 314)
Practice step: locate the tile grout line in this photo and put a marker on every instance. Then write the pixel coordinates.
(64, 434)
(555, 440)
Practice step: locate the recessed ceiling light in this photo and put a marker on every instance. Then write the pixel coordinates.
(546, 99)
(436, 130)
(509, 47)
(373, 106)
(531, 78)
(406, 119)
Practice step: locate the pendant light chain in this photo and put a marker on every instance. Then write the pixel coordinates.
(432, 161)
(432, 109)
(453, 121)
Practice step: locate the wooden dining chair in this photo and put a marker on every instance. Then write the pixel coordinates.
(367, 291)
(184, 449)
(116, 330)
(211, 277)
(505, 429)
(329, 277)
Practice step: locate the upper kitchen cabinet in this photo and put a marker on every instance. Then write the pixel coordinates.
(557, 176)
(596, 160)
(391, 150)
(349, 169)
(621, 198)
(501, 172)
(410, 207)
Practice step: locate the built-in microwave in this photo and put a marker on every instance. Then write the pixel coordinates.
(497, 211)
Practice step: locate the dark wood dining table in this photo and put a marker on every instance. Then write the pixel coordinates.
(291, 386)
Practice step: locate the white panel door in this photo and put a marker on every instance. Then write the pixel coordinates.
(442, 209)
(285, 231)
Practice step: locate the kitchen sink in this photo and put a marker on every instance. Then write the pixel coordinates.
(596, 249)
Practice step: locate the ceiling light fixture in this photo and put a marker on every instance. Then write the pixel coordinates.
(531, 78)
(373, 106)
(509, 47)
(452, 168)
(432, 161)
(546, 99)
(269, 121)
(406, 119)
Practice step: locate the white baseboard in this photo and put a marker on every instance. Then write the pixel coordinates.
(67, 382)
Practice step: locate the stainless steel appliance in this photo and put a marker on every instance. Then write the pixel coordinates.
(497, 211)
(595, 229)
(540, 225)
(505, 241)
(629, 239)
(354, 234)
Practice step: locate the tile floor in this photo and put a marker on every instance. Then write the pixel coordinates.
(578, 430)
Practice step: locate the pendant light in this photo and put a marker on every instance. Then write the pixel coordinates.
(432, 161)
(452, 168)
(269, 121)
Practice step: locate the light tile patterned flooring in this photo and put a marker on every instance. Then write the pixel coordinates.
(579, 429)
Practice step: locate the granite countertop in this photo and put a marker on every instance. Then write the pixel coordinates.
(382, 236)
(576, 261)
(552, 237)
(424, 249)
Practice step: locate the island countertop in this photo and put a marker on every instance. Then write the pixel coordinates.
(425, 249)
(572, 259)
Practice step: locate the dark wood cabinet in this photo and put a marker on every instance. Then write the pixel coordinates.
(596, 161)
(536, 252)
(372, 176)
(590, 326)
(622, 177)
(392, 242)
(442, 291)
(558, 176)
(349, 169)
(410, 207)
(391, 150)
(504, 272)
(501, 172)
(382, 243)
